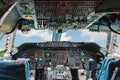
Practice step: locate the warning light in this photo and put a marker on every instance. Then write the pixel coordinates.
(29, 17)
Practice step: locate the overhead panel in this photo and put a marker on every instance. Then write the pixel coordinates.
(68, 14)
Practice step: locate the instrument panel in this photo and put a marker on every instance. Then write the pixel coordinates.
(72, 54)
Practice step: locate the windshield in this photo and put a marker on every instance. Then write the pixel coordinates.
(71, 35)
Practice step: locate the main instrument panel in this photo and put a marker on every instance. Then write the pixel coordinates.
(72, 54)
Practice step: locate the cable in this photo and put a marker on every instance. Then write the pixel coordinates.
(113, 30)
(17, 24)
(112, 20)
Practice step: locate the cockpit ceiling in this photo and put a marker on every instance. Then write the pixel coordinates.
(56, 14)
(67, 13)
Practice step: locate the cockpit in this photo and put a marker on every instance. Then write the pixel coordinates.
(59, 60)
(56, 59)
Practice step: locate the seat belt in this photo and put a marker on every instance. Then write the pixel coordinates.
(114, 73)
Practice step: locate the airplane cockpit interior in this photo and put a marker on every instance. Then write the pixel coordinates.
(56, 59)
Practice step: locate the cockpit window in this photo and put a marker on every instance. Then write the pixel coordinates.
(2, 43)
(71, 35)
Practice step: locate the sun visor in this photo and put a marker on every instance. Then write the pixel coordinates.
(108, 6)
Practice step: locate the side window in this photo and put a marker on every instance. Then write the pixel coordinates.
(118, 44)
(2, 43)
